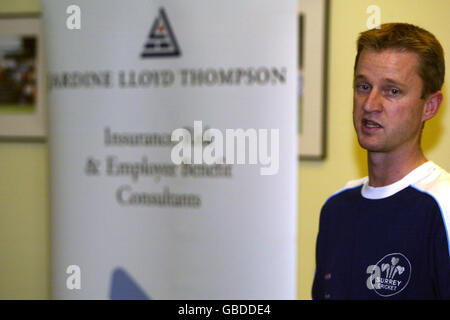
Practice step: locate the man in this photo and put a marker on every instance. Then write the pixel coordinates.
(386, 236)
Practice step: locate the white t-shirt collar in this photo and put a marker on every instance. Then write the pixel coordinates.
(386, 191)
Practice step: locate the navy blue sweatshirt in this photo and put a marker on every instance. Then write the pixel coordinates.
(386, 243)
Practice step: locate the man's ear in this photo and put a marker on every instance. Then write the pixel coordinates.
(432, 104)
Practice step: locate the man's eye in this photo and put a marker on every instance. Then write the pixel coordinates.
(364, 87)
(393, 91)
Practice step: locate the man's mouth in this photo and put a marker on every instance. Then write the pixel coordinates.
(370, 124)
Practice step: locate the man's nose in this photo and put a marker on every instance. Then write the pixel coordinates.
(374, 102)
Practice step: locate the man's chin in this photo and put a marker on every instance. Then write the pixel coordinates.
(372, 147)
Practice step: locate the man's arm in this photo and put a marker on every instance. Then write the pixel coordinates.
(317, 290)
(441, 263)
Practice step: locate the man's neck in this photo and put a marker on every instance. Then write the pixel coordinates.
(387, 168)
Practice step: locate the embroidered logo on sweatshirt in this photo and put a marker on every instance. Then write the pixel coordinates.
(390, 275)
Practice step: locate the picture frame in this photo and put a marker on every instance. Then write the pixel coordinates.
(23, 111)
(312, 78)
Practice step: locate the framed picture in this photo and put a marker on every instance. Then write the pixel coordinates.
(312, 78)
(22, 78)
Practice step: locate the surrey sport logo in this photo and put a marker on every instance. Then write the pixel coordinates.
(161, 41)
(390, 275)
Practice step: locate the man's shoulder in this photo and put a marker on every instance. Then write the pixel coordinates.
(436, 184)
(354, 183)
(350, 188)
(342, 201)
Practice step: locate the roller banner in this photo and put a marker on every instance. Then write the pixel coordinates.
(172, 137)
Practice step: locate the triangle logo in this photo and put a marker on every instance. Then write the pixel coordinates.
(124, 287)
(161, 41)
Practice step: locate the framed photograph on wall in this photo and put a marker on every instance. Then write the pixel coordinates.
(312, 78)
(22, 78)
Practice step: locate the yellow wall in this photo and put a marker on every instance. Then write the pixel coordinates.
(24, 221)
(345, 159)
(19, 6)
(24, 207)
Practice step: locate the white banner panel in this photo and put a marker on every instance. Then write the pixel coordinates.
(128, 222)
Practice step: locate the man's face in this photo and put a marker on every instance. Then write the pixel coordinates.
(387, 108)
